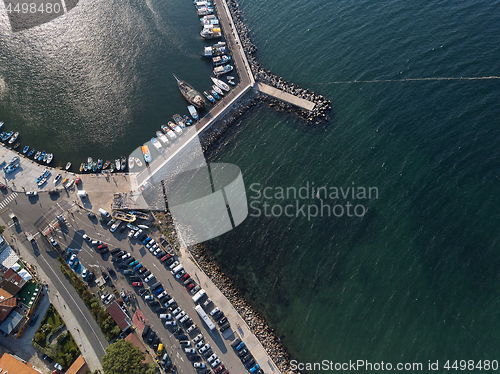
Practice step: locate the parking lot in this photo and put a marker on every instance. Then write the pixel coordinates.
(145, 279)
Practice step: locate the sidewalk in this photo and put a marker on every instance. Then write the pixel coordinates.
(238, 325)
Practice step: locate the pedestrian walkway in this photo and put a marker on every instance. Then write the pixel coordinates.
(284, 96)
(8, 200)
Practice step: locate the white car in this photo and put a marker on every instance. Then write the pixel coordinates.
(178, 310)
(198, 339)
(174, 264)
(32, 193)
(199, 365)
(150, 244)
(189, 350)
(114, 227)
(215, 310)
(130, 234)
(212, 358)
(139, 232)
(170, 323)
(180, 315)
(85, 273)
(86, 237)
(149, 277)
(96, 242)
(57, 366)
(185, 343)
(53, 242)
(215, 363)
(162, 295)
(200, 344)
(191, 328)
(125, 256)
(205, 348)
(166, 316)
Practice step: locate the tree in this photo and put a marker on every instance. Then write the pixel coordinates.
(150, 369)
(2, 228)
(122, 358)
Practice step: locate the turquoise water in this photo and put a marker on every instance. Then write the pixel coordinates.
(416, 278)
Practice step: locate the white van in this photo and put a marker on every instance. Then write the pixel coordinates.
(104, 213)
(82, 193)
(198, 295)
(177, 269)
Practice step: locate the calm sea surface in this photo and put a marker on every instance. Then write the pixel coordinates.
(417, 277)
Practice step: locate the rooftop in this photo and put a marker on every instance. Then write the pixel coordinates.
(78, 367)
(119, 316)
(13, 365)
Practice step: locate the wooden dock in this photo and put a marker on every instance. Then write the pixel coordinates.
(284, 96)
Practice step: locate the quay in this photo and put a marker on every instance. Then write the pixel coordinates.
(284, 96)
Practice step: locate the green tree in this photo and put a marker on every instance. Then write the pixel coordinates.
(2, 229)
(150, 369)
(122, 358)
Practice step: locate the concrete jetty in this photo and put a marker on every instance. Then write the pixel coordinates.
(284, 96)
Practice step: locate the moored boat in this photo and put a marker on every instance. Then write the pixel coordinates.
(174, 127)
(147, 154)
(209, 97)
(68, 165)
(169, 132)
(215, 50)
(94, 166)
(14, 137)
(211, 33)
(124, 163)
(7, 136)
(220, 84)
(190, 94)
(30, 153)
(215, 94)
(138, 162)
(16, 145)
(37, 155)
(221, 60)
(82, 166)
(193, 112)
(112, 166)
(50, 156)
(130, 163)
(45, 157)
(162, 137)
(231, 82)
(217, 89)
(188, 121)
(42, 155)
(156, 143)
(26, 149)
(89, 161)
(99, 164)
(1, 124)
(106, 164)
(117, 164)
(178, 119)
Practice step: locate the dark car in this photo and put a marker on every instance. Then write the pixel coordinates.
(236, 342)
(156, 341)
(182, 337)
(123, 228)
(142, 270)
(145, 274)
(161, 254)
(161, 310)
(134, 278)
(151, 336)
(146, 330)
(121, 266)
(115, 250)
(250, 363)
(169, 261)
(47, 358)
(120, 254)
(91, 215)
(224, 327)
(111, 271)
(218, 315)
(154, 303)
(243, 352)
(53, 192)
(142, 237)
(222, 321)
(105, 276)
(90, 277)
(130, 260)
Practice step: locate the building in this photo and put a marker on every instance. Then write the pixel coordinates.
(78, 367)
(119, 316)
(12, 364)
(7, 303)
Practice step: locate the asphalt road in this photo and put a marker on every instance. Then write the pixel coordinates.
(28, 211)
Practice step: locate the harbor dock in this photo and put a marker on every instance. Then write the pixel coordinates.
(284, 96)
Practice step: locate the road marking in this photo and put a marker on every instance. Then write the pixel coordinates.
(75, 303)
(8, 199)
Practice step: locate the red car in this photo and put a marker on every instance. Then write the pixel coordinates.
(3, 186)
(190, 286)
(137, 284)
(102, 246)
(78, 180)
(219, 369)
(184, 277)
(165, 258)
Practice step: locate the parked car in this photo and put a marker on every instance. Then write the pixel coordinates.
(149, 277)
(205, 348)
(224, 327)
(145, 241)
(180, 273)
(170, 323)
(47, 358)
(185, 343)
(139, 232)
(149, 297)
(212, 358)
(198, 339)
(165, 258)
(31, 193)
(219, 368)
(137, 284)
(199, 365)
(85, 273)
(96, 242)
(114, 227)
(189, 350)
(102, 246)
(52, 241)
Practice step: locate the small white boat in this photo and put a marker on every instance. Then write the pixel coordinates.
(49, 158)
(146, 153)
(217, 89)
(130, 162)
(193, 112)
(156, 143)
(14, 137)
(220, 70)
(162, 137)
(220, 84)
(117, 164)
(138, 162)
(168, 131)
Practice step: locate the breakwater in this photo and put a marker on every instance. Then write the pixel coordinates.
(322, 105)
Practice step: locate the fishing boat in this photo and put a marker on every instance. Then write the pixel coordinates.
(209, 20)
(215, 94)
(193, 112)
(156, 143)
(99, 164)
(124, 163)
(45, 157)
(211, 33)
(203, 11)
(57, 178)
(26, 149)
(37, 155)
(42, 155)
(209, 97)
(162, 137)
(50, 156)
(231, 82)
(7, 136)
(86, 166)
(187, 120)
(1, 124)
(89, 161)
(190, 94)
(117, 164)
(14, 137)
(122, 216)
(169, 132)
(82, 166)
(147, 154)
(16, 145)
(2, 134)
(178, 119)
(68, 165)
(106, 164)
(217, 89)
(220, 84)
(94, 166)
(220, 60)
(130, 163)
(112, 166)
(30, 153)
(174, 127)
(138, 162)
(10, 168)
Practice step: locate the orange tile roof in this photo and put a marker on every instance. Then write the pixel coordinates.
(7, 303)
(78, 367)
(13, 365)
